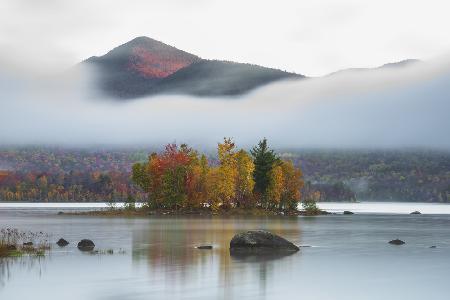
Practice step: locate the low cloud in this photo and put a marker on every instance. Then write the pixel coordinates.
(387, 107)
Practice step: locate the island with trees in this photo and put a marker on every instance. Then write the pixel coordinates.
(179, 180)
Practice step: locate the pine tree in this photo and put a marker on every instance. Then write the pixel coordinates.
(264, 159)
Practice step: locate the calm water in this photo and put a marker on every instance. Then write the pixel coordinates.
(349, 258)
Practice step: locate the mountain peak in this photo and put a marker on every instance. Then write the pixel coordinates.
(144, 41)
(150, 58)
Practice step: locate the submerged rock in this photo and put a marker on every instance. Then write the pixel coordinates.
(86, 245)
(62, 242)
(205, 247)
(416, 213)
(260, 240)
(396, 242)
(347, 212)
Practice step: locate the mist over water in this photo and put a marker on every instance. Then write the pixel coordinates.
(388, 107)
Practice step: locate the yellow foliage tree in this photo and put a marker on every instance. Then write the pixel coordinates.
(221, 181)
(244, 178)
(275, 188)
(292, 184)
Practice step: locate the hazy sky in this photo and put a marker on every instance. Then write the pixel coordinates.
(311, 37)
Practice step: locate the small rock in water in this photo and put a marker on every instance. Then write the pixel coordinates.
(396, 242)
(62, 242)
(60, 213)
(28, 244)
(416, 213)
(433, 247)
(86, 245)
(205, 247)
(347, 212)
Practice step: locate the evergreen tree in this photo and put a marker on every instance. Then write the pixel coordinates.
(264, 159)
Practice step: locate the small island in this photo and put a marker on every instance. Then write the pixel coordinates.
(180, 181)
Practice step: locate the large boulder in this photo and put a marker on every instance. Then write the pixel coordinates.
(416, 213)
(260, 241)
(86, 245)
(62, 242)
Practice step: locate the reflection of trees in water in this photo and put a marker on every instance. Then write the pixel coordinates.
(10, 264)
(168, 245)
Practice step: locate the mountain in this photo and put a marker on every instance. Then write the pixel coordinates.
(144, 66)
(400, 64)
(393, 65)
(220, 78)
(132, 69)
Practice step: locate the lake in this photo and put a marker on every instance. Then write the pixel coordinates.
(347, 257)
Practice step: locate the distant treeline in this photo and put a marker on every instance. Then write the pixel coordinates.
(381, 175)
(59, 174)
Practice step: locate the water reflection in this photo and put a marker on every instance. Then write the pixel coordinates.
(348, 253)
(169, 247)
(32, 263)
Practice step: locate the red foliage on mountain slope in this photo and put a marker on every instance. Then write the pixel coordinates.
(156, 64)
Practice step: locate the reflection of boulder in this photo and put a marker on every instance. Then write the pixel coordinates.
(260, 255)
(396, 242)
(260, 242)
(86, 245)
(205, 247)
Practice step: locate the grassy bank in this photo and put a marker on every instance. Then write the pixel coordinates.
(14, 243)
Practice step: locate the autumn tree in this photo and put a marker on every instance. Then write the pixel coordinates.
(244, 179)
(214, 189)
(292, 185)
(275, 187)
(226, 174)
(197, 182)
(166, 176)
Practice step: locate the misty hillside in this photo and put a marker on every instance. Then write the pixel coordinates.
(393, 65)
(144, 66)
(219, 78)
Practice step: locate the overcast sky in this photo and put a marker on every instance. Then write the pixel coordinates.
(312, 37)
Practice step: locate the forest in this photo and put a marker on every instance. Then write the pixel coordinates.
(52, 174)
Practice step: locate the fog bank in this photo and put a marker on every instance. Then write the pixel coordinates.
(387, 107)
